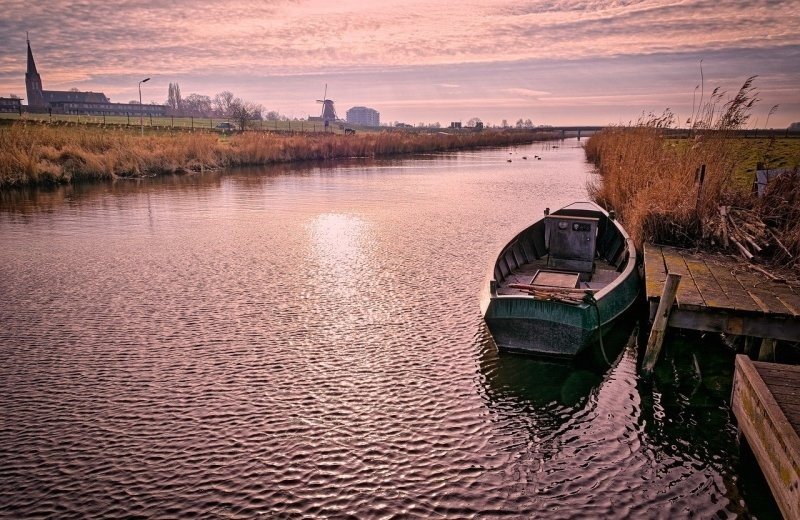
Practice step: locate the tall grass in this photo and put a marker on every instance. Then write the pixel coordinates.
(652, 182)
(34, 153)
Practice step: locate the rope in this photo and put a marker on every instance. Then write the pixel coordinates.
(590, 299)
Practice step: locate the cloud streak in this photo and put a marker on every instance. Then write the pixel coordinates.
(421, 47)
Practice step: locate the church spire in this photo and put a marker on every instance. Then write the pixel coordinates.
(31, 63)
(33, 82)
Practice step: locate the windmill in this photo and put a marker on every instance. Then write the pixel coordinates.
(328, 111)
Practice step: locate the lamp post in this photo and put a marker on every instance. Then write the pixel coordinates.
(141, 121)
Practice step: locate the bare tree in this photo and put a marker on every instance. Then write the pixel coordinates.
(223, 102)
(198, 105)
(244, 111)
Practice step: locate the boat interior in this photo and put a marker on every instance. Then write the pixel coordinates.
(573, 249)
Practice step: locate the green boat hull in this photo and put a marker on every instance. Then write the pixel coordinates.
(538, 322)
(554, 328)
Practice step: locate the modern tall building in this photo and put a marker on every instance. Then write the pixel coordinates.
(364, 116)
(76, 102)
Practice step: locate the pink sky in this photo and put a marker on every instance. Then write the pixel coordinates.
(557, 62)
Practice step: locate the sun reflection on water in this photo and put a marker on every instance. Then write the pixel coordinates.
(338, 243)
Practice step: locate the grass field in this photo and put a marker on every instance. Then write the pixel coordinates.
(179, 123)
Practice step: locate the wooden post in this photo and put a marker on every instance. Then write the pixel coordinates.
(749, 346)
(767, 350)
(659, 329)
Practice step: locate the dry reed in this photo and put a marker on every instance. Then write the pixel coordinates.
(37, 153)
(653, 181)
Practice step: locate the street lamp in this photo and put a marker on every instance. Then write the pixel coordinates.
(141, 121)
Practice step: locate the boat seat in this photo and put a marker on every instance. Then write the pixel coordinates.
(556, 279)
(571, 243)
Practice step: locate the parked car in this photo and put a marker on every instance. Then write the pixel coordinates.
(225, 126)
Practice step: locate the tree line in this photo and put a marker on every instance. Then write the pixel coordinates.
(223, 105)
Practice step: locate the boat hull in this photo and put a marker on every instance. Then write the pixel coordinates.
(554, 328)
(542, 324)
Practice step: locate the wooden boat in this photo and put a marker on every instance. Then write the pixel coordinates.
(561, 282)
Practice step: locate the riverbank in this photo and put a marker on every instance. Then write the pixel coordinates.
(656, 186)
(41, 154)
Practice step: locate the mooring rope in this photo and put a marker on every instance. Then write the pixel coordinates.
(590, 299)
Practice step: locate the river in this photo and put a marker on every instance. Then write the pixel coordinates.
(306, 341)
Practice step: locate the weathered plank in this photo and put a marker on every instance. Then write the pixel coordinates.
(721, 268)
(771, 368)
(789, 298)
(769, 433)
(688, 295)
(655, 271)
(718, 293)
(758, 286)
(707, 285)
(757, 325)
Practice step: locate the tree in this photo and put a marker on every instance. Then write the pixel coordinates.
(197, 105)
(223, 102)
(520, 123)
(528, 123)
(473, 122)
(244, 111)
(174, 101)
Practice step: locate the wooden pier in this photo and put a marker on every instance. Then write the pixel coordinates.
(720, 293)
(766, 402)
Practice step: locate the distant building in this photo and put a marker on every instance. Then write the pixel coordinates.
(364, 116)
(455, 124)
(76, 102)
(10, 105)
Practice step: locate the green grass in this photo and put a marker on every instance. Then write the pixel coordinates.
(177, 123)
(747, 153)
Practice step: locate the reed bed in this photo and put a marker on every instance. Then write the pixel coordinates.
(657, 187)
(35, 153)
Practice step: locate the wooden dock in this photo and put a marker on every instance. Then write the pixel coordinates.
(720, 293)
(766, 402)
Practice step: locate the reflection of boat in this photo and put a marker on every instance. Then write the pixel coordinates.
(550, 388)
(560, 281)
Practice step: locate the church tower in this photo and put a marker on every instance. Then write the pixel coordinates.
(33, 82)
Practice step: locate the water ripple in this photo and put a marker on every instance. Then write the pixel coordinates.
(295, 344)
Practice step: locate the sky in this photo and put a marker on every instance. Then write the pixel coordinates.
(556, 62)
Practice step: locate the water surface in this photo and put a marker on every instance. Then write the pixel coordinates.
(306, 342)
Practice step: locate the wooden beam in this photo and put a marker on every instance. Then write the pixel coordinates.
(659, 329)
(773, 439)
(752, 324)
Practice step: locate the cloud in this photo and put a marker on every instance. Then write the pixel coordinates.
(526, 92)
(402, 50)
